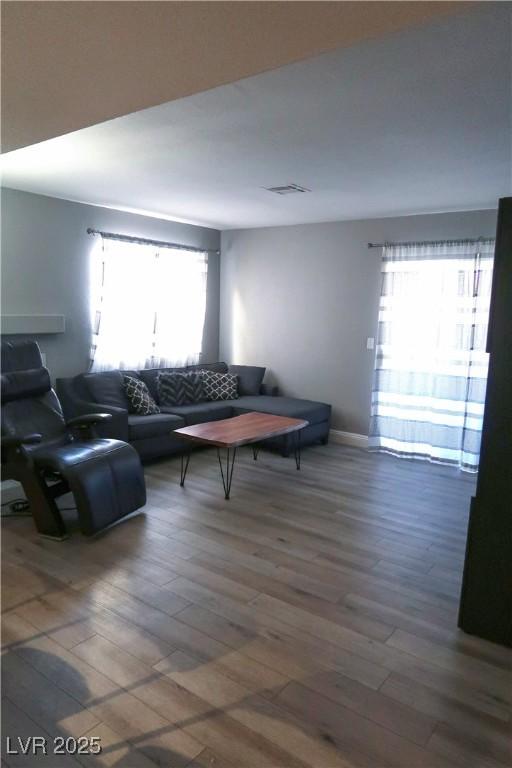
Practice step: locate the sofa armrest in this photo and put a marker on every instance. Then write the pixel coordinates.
(268, 389)
(88, 419)
(75, 403)
(86, 425)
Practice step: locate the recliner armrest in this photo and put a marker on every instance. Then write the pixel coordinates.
(13, 448)
(116, 427)
(17, 442)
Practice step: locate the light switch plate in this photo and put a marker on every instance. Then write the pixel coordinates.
(370, 342)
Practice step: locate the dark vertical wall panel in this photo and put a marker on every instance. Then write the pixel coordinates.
(486, 599)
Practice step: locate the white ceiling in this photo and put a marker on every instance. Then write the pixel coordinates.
(66, 67)
(418, 122)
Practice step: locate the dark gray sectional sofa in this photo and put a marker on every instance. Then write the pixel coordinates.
(152, 435)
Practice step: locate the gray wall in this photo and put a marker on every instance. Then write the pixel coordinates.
(45, 268)
(302, 300)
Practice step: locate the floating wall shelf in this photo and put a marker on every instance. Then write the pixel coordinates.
(33, 324)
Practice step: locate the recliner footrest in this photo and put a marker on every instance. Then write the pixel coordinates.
(107, 486)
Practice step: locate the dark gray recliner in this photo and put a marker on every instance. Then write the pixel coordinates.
(50, 456)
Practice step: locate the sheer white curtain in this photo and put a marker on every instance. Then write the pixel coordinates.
(431, 365)
(147, 305)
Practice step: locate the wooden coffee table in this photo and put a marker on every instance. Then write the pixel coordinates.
(249, 428)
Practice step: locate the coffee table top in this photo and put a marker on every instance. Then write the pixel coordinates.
(241, 430)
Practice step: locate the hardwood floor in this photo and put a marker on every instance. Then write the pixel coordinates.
(308, 621)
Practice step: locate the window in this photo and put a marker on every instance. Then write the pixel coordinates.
(147, 305)
(431, 364)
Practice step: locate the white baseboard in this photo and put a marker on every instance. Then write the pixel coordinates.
(348, 438)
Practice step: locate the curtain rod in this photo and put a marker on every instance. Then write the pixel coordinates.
(146, 241)
(460, 241)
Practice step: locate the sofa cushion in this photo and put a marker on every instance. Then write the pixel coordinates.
(150, 376)
(250, 378)
(142, 427)
(196, 413)
(284, 406)
(107, 387)
(180, 388)
(139, 399)
(219, 386)
(215, 367)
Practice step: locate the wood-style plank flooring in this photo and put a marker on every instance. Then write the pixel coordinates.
(308, 621)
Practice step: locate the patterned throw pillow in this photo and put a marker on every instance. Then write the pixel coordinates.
(220, 386)
(139, 399)
(180, 388)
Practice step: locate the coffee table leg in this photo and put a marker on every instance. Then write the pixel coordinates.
(297, 448)
(184, 466)
(228, 476)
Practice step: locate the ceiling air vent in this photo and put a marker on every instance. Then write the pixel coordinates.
(288, 189)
